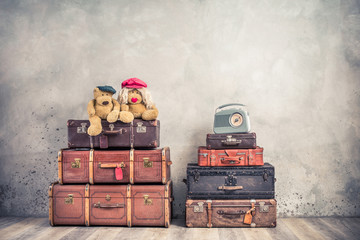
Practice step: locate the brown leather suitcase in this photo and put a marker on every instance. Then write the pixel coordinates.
(231, 213)
(114, 166)
(138, 134)
(232, 140)
(120, 205)
(230, 157)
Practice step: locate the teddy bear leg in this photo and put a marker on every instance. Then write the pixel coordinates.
(149, 115)
(126, 116)
(95, 126)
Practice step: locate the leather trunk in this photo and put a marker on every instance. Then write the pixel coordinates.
(100, 166)
(230, 157)
(251, 182)
(231, 213)
(232, 140)
(120, 205)
(138, 133)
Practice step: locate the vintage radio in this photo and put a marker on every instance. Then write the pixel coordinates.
(231, 118)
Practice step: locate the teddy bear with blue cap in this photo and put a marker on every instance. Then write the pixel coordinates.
(103, 106)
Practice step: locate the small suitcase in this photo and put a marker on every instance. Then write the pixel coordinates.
(231, 213)
(230, 157)
(114, 166)
(251, 182)
(232, 140)
(119, 205)
(138, 134)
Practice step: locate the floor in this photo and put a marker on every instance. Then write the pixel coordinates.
(288, 228)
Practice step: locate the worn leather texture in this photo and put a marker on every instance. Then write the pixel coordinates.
(231, 182)
(139, 133)
(99, 166)
(230, 213)
(231, 140)
(230, 157)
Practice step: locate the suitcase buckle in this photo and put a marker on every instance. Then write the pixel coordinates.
(199, 208)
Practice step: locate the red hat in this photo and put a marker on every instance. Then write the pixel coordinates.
(133, 83)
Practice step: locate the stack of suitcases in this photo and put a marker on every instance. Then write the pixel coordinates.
(119, 177)
(230, 186)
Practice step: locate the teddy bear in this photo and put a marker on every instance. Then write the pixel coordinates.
(103, 106)
(135, 98)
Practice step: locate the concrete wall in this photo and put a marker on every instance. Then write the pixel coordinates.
(296, 64)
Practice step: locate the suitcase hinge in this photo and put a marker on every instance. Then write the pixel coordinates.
(82, 129)
(199, 208)
(263, 207)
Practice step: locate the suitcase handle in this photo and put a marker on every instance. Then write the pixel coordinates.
(230, 188)
(230, 104)
(231, 215)
(231, 160)
(112, 165)
(114, 132)
(109, 205)
(230, 141)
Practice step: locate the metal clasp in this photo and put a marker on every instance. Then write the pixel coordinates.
(147, 201)
(69, 199)
(147, 163)
(108, 198)
(82, 129)
(196, 175)
(140, 128)
(199, 208)
(76, 164)
(111, 126)
(263, 207)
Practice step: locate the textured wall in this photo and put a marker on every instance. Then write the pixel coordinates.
(296, 64)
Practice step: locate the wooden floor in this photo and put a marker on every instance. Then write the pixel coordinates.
(287, 228)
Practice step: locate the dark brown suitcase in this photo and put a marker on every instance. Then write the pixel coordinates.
(138, 134)
(99, 166)
(231, 213)
(230, 157)
(120, 205)
(232, 140)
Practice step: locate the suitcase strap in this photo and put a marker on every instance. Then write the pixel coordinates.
(209, 213)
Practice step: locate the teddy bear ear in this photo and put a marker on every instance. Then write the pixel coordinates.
(96, 90)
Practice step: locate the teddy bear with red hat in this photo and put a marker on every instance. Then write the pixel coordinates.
(135, 98)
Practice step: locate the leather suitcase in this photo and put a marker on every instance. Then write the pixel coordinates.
(114, 166)
(232, 140)
(251, 182)
(138, 134)
(120, 205)
(230, 157)
(231, 213)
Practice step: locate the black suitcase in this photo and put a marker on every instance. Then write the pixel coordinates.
(250, 182)
(137, 134)
(232, 140)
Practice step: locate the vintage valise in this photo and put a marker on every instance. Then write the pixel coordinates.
(138, 133)
(114, 166)
(230, 157)
(231, 213)
(249, 182)
(232, 140)
(121, 205)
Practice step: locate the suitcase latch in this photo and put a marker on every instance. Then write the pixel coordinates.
(107, 198)
(199, 208)
(147, 200)
(76, 164)
(196, 176)
(111, 126)
(140, 128)
(230, 180)
(265, 176)
(231, 141)
(263, 207)
(69, 199)
(147, 163)
(82, 129)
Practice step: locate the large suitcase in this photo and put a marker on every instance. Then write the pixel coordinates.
(120, 205)
(249, 182)
(114, 166)
(230, 157)
(231, 213)
(138, 133)
(232, 140)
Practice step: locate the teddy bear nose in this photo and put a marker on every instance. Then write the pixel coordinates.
(105, 103)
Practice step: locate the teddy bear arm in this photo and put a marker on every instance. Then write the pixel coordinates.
(91, 108)
(116, 104)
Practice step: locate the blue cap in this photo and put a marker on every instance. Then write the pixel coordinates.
(107, 89)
